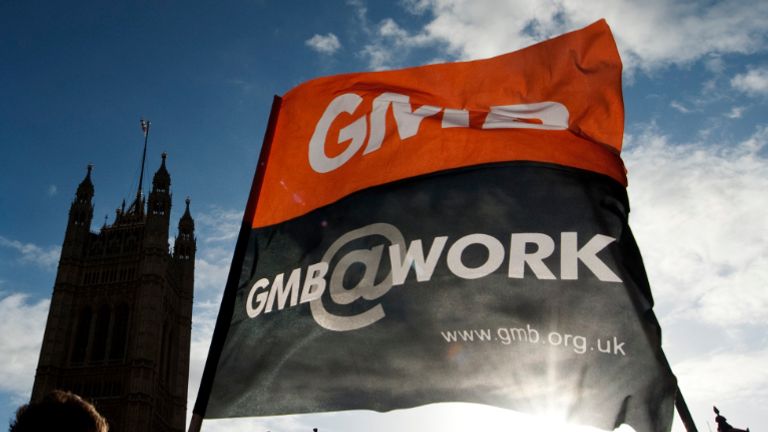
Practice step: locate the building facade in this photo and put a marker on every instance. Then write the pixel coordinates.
(119, 325)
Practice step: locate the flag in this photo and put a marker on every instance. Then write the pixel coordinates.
(452, 232)
(145, 127)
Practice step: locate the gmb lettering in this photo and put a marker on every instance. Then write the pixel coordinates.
(517, 253)
(546, 115)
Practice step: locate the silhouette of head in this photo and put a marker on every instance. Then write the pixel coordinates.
(59, 410)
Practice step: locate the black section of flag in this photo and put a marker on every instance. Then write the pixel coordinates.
(573, 330)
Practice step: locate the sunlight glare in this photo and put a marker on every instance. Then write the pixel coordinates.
(464, 416)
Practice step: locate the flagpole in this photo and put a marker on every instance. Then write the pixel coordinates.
(195, 423)
(144, 127)
(683, 412)
(230, 289)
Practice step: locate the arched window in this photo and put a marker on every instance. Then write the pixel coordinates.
(173, 349)
(130, 244)
(119, 333)
(99, 350)
(169, 351)
(82, 333)
(165, 343)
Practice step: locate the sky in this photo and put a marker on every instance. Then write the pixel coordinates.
(75, 77)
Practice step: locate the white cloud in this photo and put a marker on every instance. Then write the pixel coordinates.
(680, 107)
(415, 7)
(216, 224)
(361, 11)
(324, 44)
(650, 34)
(736, 112)
(45, 257)
(715, 64)
(389, 28)
(379, 56)
(52, 190)
(389, 44)
(21, 335)
(218, 229)
(211, 269)
(699, 217)
(754, 82)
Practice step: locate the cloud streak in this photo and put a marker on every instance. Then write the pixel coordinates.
(218, 225)
(44, 257)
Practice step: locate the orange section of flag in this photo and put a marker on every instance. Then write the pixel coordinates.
(556, 102)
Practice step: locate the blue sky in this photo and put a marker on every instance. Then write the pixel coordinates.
(76, 77)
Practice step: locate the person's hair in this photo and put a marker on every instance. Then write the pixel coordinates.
(59, 410)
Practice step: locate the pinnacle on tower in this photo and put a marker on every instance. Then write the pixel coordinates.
(81, 210)
(159, 202)
(186, 223)
(162, 179)
(185, 247)
(85, 188)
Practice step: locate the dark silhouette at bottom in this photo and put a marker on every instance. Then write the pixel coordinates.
(722, 424)
(59, 410)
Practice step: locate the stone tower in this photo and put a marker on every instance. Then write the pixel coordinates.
(118, 330)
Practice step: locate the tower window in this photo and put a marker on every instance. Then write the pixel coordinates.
(119, 333)
(82, 335)
(99, 350)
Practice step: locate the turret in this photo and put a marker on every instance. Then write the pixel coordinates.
(185, 247)
(81, 211)
(80, 217)
(159, 207)
(184, 261)
(160, 198)
(184, 253)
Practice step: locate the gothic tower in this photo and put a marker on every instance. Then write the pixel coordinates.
(118, 330)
